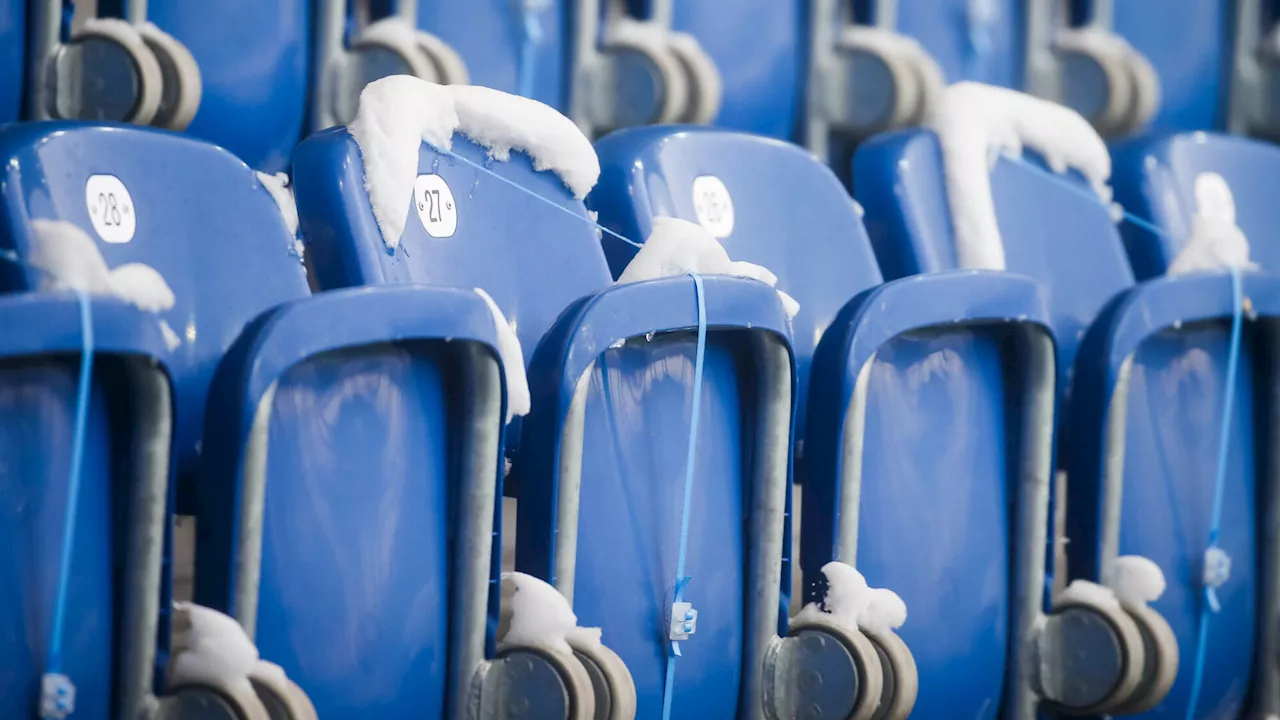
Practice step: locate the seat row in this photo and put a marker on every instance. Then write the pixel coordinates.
(297, 67)
(345, 403)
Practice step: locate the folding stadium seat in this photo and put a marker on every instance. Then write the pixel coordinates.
(200, 243)
(254, 60)
(977, 40)
(762, 81)
(13, 31)
(948, 376)
(1190, 50)
(516, 47)
(864, 77)
(359, 42)
(1171, 180)
(628, 66)
(601, 457)
(103, 63)
(1078, 53)
(1142, 429)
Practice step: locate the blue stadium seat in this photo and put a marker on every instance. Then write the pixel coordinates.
(255, 89)
(13, 59)
(125, 450)
(762, 80)
(977, 40)
(203, 221)
(905, 383)
(492, 38)
(1058, 232)
(1156, 178)
(1189, 44)
(610, 371)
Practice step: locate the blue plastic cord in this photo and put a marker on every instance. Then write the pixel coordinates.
(53, 662)
(532, 21)
(1210, 605)
(681, 580)
(481, 168)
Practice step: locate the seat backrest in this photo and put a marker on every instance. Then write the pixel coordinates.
(763, 79)
(190, 210)
(1188, 43)
(767, 201)
(492, 39)
(979, 40)
(1058, 232)
(13, 58)
(790, 214)
(537, 256)
(531, 269)
(1054, 230)
(201, 219)
(1156, 180)
(255, 89)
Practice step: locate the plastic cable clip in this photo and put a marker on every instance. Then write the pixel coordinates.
(1217, 570)
(684, 622)
(57, 696)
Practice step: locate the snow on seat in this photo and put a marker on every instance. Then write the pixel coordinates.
(610, 371)
(1195, 187)
(87, 209)
(1157, 349)
(905, 386)
(201, 249)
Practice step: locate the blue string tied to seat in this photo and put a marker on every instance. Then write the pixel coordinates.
(57, 692)
(683, 618)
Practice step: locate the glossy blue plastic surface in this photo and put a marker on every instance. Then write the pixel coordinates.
(13, 57)
(763, 76)
(1155, 179)
(793, 216)
(255, 87)
(1175, 434)
(353, 596)
(489, 35)
(536, 261)
(204, 222)
(40, 339)
(1191, 54)
(637, 425)
(822, 261)
(1063, 238)
(936, 534)
(1051, 233)
(966, 46)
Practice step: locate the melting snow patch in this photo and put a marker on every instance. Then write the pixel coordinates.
(1089, 593)
(512, 357)
(218, 653)
(278, 186)
(976, 122)
(71, 261)
(1216, 242)
(679, 247)
(540, 615)
(1135, 579)
(397, 113)
(853, 605)
(141, 285)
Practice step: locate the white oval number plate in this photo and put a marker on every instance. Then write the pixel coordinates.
(436, 209)
(713, 205)
(110, 208)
